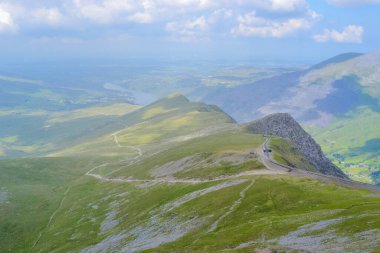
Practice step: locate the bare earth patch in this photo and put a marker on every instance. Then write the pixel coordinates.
(321, 237)
(159, 228)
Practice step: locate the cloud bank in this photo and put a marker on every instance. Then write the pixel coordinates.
(348, 3)
(187, 19)
(350, 34)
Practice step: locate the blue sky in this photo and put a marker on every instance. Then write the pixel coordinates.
(188, 29)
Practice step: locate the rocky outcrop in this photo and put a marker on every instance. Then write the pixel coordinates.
(284, 126)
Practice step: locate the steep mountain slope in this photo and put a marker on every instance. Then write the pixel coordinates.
(337, 101)
(301, 93)
(182, 177)
(284, 126)
(206, 194)
(352, 142)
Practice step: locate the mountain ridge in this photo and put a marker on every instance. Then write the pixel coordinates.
(336, 59)
(285, 126)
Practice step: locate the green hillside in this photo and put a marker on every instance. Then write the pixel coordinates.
(37, 118)
(238, 214)
(28, 132)
(285, 152)
(352, 142)
(337, 100)
(163, 123)
(177, 176)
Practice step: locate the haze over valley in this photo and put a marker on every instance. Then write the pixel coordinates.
(189, 126)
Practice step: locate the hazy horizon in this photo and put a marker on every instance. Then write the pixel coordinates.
(192, 30)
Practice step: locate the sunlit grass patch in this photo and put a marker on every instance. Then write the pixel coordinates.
(154, 112)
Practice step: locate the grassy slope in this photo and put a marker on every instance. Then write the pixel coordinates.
(29, 132)
(353, 130)
(286, 153)
(344, 140)
(364, 67)
(34, 188)
(226, 142)
(166, 122)
(94, 210)
(273, 207)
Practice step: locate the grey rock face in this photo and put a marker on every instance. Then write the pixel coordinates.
(284, 126)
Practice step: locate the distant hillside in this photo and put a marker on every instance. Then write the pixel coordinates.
(284, 126)
(178, 176)
(304, 94)
(338, 101)
(337, 59)
(162, 123)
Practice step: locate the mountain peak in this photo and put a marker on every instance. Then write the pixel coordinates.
(177, 96)
(285, 126)
(171, 101)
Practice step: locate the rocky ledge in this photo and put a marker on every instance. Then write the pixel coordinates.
(284, 126)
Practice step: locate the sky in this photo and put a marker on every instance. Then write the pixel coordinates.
(223, 30)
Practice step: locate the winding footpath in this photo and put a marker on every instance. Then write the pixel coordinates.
(273, 168)
(116, 140)
(164, 180)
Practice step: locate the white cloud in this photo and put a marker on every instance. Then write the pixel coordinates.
(184, 18)
(50, 16)
(187, 5)
(276, 5)
(104, 12)
(345, 3)
(287, 5)
(7, 23)
(141, 17)
(253, 25)
(188, 29)
(146, 11)
(350, 34)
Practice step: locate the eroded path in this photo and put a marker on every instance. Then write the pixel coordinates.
(116, 140)
(52, 216)
(232, 208)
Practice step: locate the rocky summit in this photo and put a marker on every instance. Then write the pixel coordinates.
(285, 126)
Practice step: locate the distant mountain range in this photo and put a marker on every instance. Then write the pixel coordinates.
(338, 101)
(80, 174)
(330, 88)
